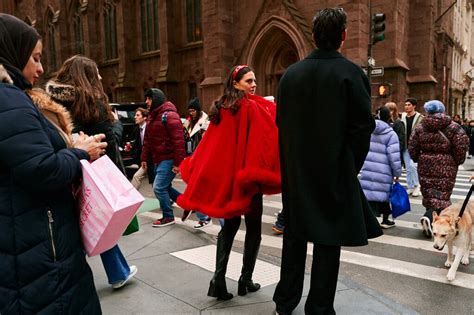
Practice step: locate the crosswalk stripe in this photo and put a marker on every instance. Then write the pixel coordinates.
(407, 268)
(385, 264)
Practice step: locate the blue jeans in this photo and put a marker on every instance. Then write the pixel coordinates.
(115, 265)
(163, 189)
(412, 173)
(201, 216)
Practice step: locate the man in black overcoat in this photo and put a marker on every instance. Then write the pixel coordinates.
(325, 122)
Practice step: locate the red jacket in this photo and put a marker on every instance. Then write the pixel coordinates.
(235, 159)
(164, 141)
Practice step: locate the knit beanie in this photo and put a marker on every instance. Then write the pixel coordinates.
(383, 113)
(433, 107)
(194, 104)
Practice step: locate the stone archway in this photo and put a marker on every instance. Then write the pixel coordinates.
(276, 46)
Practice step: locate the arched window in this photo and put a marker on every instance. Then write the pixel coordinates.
(78, 28)
(51, 20)
(110, 31)
(193, 20)
(149, 25)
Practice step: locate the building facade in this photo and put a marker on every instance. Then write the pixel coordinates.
(186, 47)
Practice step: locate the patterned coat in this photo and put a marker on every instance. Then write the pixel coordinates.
(439, 145)
(382, 163)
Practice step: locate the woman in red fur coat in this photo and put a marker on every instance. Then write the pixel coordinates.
(235, 163)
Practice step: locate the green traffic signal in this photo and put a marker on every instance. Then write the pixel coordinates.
(378, 28)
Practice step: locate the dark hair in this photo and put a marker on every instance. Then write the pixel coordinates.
(328, 26)
(143, 111)
(412, 100)
(383, 113)
(82, 73)
(231, 95)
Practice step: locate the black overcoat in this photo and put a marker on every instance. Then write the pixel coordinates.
(325, 122)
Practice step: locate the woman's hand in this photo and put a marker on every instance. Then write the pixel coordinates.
(175, 169)
(472, 177)
(93, 145)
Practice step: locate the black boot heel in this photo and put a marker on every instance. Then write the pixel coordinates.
(247, 285)
(218, 292)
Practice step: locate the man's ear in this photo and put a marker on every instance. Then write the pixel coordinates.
(344, 35)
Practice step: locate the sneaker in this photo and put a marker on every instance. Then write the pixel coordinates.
(133, 271)
(410, 191)
(163, 222)
(202, 224)
(278, 228)
(416, 191)
(426, 226)
(186, 215)
(386, 224)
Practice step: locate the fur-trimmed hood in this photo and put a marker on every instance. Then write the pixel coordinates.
(64, 93)
(57, 114)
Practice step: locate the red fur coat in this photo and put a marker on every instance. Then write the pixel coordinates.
(236, 159)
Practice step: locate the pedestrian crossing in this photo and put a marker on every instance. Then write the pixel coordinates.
(402, 250)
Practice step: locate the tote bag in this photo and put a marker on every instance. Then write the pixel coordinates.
(399, 200)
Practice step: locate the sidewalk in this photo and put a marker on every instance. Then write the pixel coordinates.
(166, 284)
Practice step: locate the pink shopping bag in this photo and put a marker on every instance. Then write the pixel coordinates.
(107, 204)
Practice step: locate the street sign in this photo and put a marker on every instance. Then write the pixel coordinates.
(376, 71)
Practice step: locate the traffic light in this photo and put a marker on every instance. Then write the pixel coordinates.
(384, 89)
(378, 28)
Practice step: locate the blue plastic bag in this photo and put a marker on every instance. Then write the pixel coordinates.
(399, 200)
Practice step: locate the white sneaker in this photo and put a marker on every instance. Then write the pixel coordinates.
(133, 271)
(410, 191)
(416, 191)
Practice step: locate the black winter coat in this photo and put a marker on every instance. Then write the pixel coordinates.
(43, 269)
(325, 123)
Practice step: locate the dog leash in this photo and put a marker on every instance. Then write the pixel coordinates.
(464, 205)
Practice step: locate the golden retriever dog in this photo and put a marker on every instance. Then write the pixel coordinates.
(449, 229)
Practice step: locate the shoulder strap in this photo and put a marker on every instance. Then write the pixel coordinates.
(164, 118)
(444, 136)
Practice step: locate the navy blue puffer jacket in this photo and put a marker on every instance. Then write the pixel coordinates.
(42, 264)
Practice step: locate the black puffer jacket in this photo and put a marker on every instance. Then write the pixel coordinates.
(43, 269)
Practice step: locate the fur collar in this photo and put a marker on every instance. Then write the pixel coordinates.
(4, 77)
(61, 92)
(57, 114)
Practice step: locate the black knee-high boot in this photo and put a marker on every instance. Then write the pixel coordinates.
(217, 287)
(250, 258)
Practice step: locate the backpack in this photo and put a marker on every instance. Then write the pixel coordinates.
(188, 142)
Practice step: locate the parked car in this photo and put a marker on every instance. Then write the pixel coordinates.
(126, 114)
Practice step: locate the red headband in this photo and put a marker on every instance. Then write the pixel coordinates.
(237, 70)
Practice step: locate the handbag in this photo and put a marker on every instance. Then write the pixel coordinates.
(132, 227)
(399, 201)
